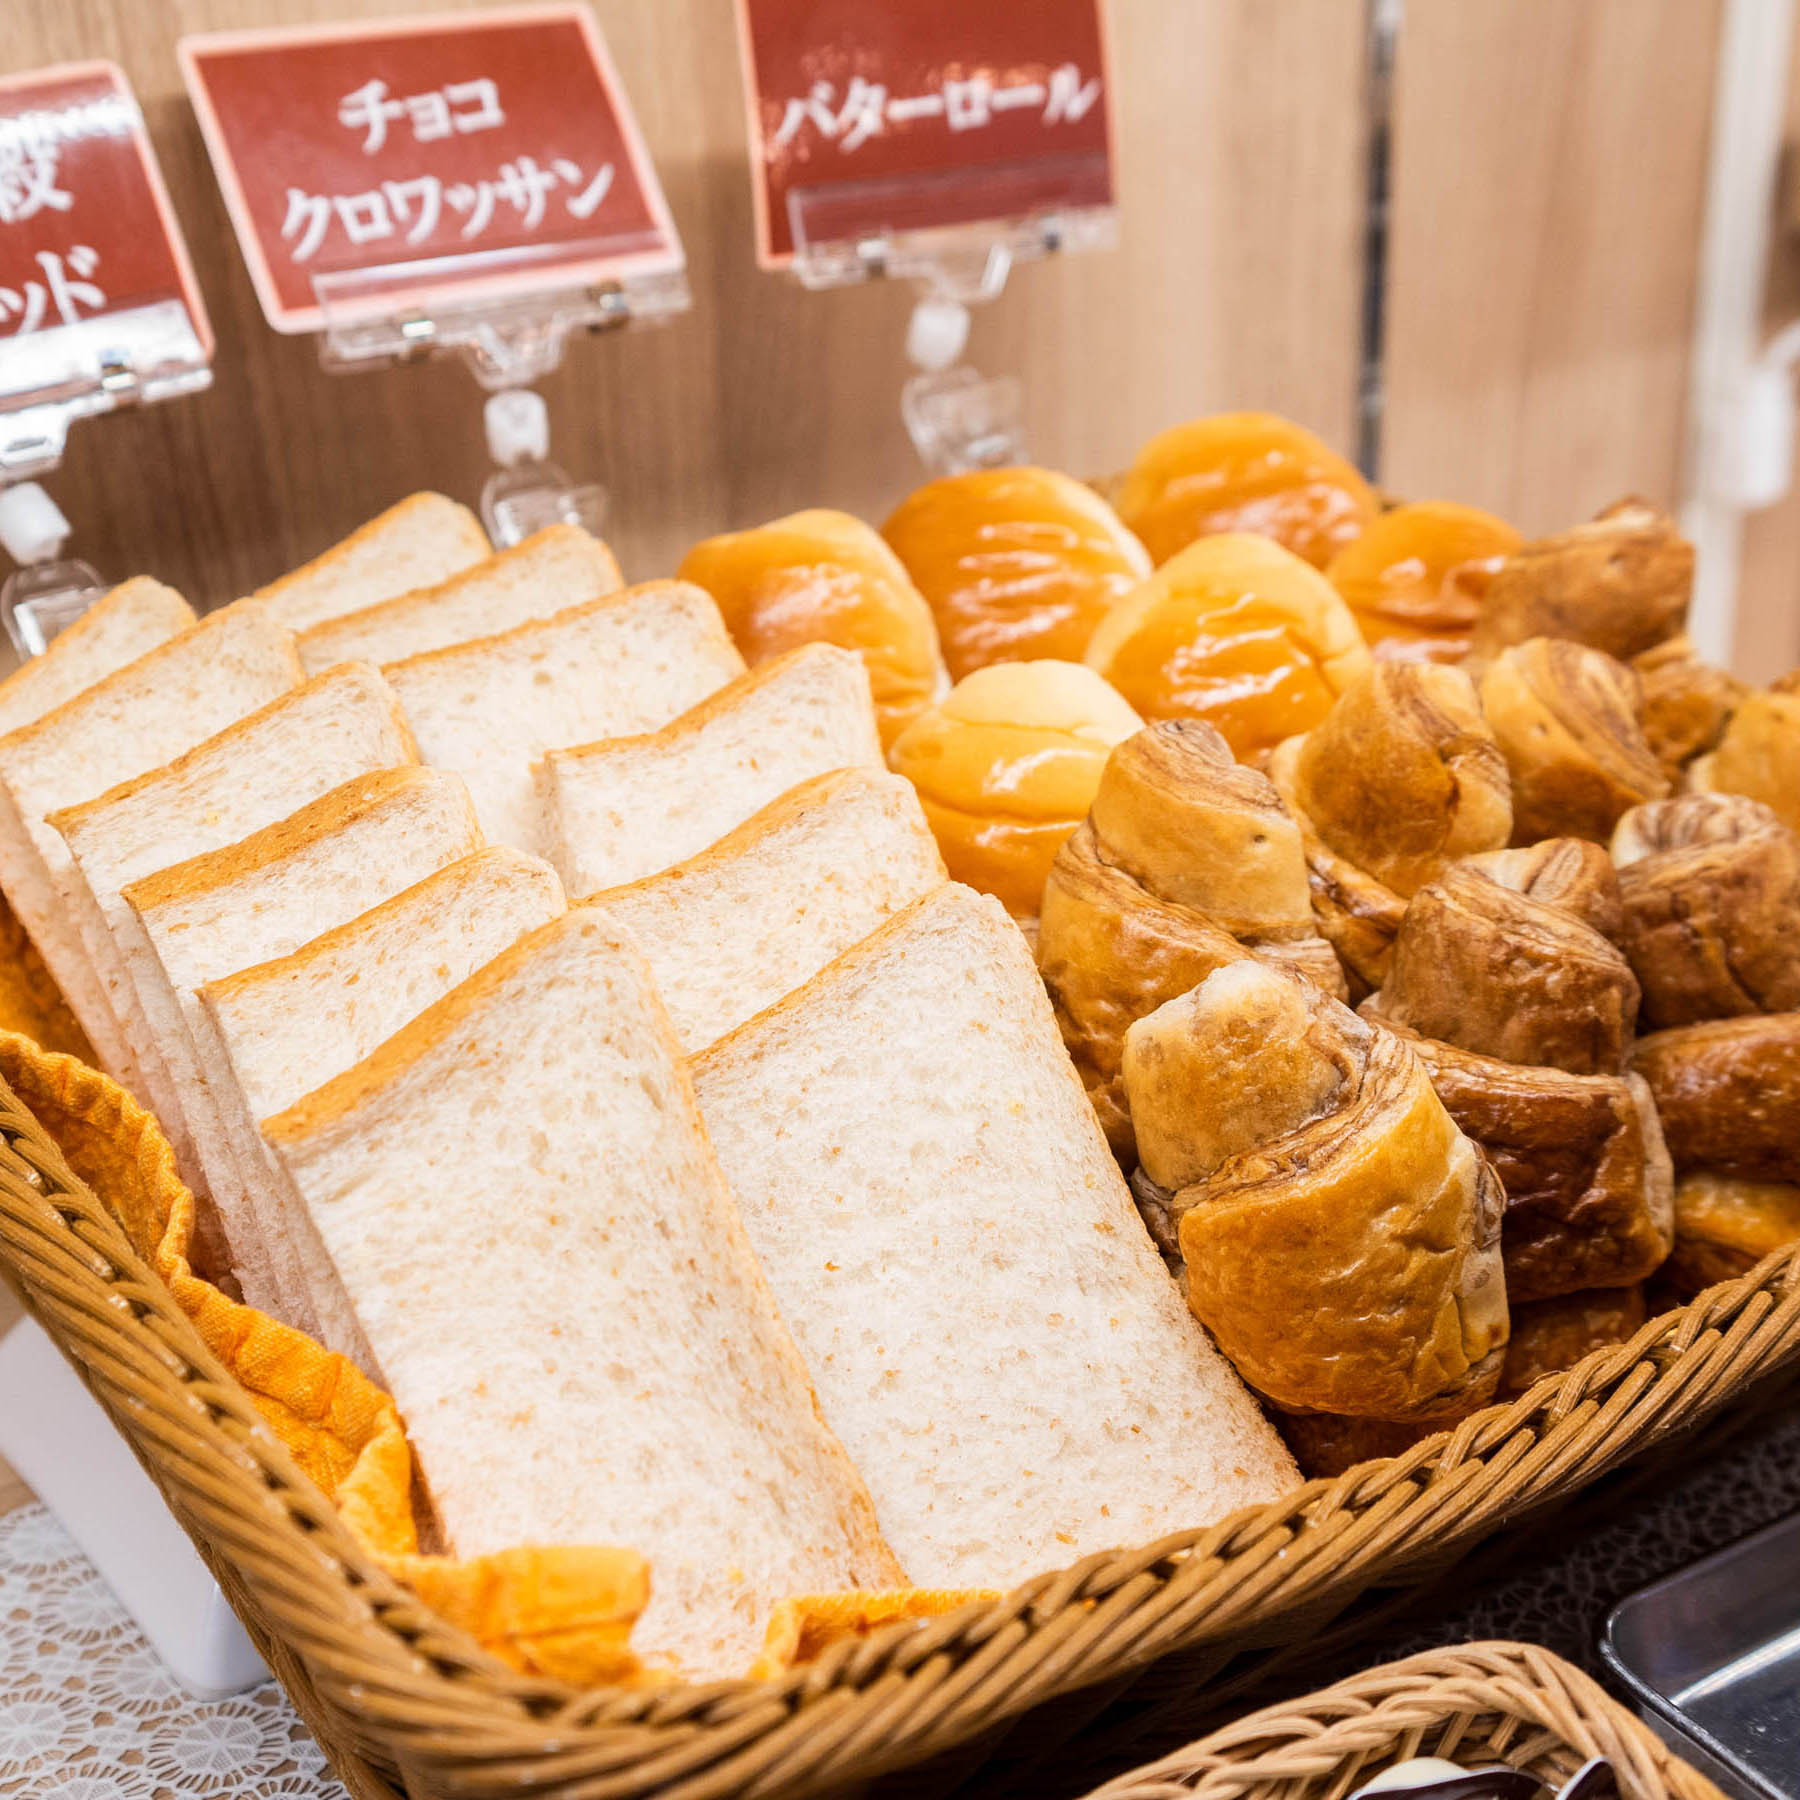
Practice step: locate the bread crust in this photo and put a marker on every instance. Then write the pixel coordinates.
(1728, 1092)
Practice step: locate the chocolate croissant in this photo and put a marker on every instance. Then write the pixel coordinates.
(1187, 861)
(1341, 1236)
(1686, 702)
(1620, 584)
(1728, 1093)
(1566, 720)
(1710, 889)
(1759, 754)
(1488, 959)
(1399, 779)
(1582, 1160)
(1725, 1225)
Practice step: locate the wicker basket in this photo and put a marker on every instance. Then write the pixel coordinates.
(1167, 1632)
(1474, 1705)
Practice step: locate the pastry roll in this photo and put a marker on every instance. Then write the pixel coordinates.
(1686, 702)
(1710, 886)
(1759, 754)
(1620, 584)
(1566, 719)
(1581, 1157)
(1341, 1236)
(1551, 1336)
(1728, 1092)
(1725, 1226)
(1187, 861)
(1484, 963)
(1403, 776)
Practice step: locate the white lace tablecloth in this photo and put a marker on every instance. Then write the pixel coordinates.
(88, 1712)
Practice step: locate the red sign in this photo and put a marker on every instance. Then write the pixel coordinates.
(86, 230)
(903, 115)
(373, 168)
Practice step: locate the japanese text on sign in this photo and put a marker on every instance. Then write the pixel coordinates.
(499, 137)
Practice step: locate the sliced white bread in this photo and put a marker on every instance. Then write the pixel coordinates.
(419, 541)
(264, 897)
(625, 808)
(127, 622)
(733, 929)
(554, 569)
(251, 774)
(272, 1033)
(519, 1199)
(136, 719)
(993, 1336)
(627, 663)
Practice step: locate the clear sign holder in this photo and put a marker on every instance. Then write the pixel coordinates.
(508, 317)
(848, 232)
(49, 379)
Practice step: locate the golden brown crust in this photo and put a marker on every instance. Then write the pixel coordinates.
(1686, 702)
(1403, 775)
(1725, 1226)
(1550, 1336)
(1710, 885)
(1376, 1209)
(1571, 873)
(1565, 716)
(1759, 754)
(1326, 1444)
(1582, 1159)
(1620, 583)
(1728, 1092)
(1492, 969)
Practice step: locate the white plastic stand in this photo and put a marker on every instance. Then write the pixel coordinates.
(509, 340)
(957, 418)
(54, 1433)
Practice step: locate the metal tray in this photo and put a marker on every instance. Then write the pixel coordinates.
(1711, 1655)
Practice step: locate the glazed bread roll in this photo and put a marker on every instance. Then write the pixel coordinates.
(1552, 1336)
(1237, 631)
(1404, 776)
(1006, 766)
(1187, 861)
(1566, 719)
(1487, 960)
(1710, 885)
(1244, 471)
(1759, 754)
(1728, 1092)
(1725, 1225)
(1687, 702)
(1620, 584)
(1306, 1155)
(825, 577)
(1015, 564)
(1582, 1160)
(1416, 577)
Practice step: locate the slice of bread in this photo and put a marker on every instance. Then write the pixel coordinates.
(417, 542)
(251, 774)
(554, 569)
(622, 809)
(518, 1196)
(264, 897)
(733, 929)
(993, 1335)
(272, 1033)
(627, 663)
(122, 625)
(136, 719)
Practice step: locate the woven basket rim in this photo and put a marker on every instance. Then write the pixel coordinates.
(1343, 1734)
(908, 1690)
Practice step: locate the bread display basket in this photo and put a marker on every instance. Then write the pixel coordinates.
(1164, 1635)
(1477, 1706)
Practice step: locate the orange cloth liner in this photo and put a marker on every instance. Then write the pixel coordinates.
(559, 1611)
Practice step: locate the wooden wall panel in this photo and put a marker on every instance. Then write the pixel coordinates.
(1235, 285)
(1549, 179)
